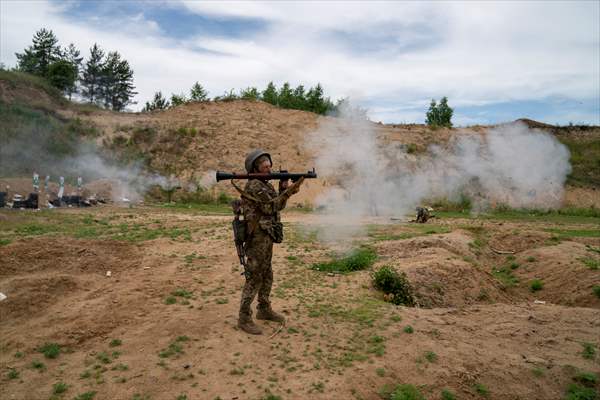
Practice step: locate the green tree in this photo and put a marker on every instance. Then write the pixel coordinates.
(285, 98)
(197, 93)
(298, 98)
(62, 75)
(36, 59)
(178, 99)
(158, 103)
(73, 56)
(117, 82)
(92, 76)
(269, 95)
(315, 101)
(439, 115)
(250, 93)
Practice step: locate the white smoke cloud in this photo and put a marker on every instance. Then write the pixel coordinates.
(511, 164)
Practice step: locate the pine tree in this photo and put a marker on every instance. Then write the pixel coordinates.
(315, 101)
(178, 99)
(117, 82)
(298, 98)
(197, 93)
(73, 56)
(445, 113)
(62, 75)
(285, 98)
(158, 103)
(439, 115)
(92, 75)
(37, 58)
(269, 95)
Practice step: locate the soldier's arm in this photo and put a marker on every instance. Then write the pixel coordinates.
(267, 204)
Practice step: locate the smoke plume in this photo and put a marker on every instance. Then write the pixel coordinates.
(511, 165)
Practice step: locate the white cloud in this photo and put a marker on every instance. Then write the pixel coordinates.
(474, 53)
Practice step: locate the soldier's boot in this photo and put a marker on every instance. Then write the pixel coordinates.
(246, 324)
(266, 312)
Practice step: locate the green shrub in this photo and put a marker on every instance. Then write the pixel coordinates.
(406, 392)
(536, 285)
(50, 350)
(586, 378)
(577, 392)
(448, 395)
(394, 284)
(596, 290)
(357, 260)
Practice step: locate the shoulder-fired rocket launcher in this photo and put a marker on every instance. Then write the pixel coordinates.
(281, 175)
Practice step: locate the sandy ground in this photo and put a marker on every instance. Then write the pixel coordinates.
(120, 339)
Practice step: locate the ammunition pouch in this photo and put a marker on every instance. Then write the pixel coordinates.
(273, 228)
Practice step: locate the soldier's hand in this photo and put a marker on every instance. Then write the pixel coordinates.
(284, 184)
(295, 187)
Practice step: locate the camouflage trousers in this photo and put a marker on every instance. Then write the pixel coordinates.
(259, 273)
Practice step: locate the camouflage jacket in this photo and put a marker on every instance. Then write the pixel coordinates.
(267, 205)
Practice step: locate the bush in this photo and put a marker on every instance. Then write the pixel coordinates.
(357, 260)
(596, 290)
(577, 392)
(395, 285)
(536, 285)
(406, 392)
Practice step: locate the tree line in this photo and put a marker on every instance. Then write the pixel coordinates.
(297, 98)
(104, 79)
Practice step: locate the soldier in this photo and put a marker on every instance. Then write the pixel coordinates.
(261, 207)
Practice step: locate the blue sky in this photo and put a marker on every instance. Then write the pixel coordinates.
(495, 61)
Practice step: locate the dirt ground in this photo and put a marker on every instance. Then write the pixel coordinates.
(163, 324)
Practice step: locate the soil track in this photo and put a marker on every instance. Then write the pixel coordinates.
(172, 300)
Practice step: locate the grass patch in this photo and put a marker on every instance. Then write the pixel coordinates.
(481, 389)
(586, 378)
(447, 395)
(50, 350)
(4, 242)
(12, 373)
(536, 285)
(578, 392)
(401, 392)
(408, 329)
(357, 260)
(596, 290)
(395, 285)
(591, 263)
(59, 387)
(574, 233)
(85, 396)
(589, 351)
(505, 276)
(40, 366)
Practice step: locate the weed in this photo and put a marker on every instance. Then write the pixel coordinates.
(514, 265)
(577, 392)
(481, 389)
(408, 329)
(59, 387)
(319, 387)
(591, 263)
(505, 276)
(538, 372)
(406, 392)
(589, 351)
(182, 397)
(222, 300)
(431, 356)
(103, 357)
(12, 373)
(357, 260)
(115, 343)
(271, 396)
(138, 396)
(4, 242)
(536, 285)
(85, 374)
(380, 372)
(120, 367)
(19, 354)
(173, 349)
(170, 300)
(38, 365)
(447, 395)
(586, 378)
(396, 318)
(596, 290)
(50, 350)
(395, 285)
(85, 396)
(182, 293)
(531, 259)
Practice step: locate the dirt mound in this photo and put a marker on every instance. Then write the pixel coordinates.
(441, 271)
(65, 255)
(566, 279)
(510, 242)
(32, 295)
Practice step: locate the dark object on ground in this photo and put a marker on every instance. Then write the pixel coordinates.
(30, 202)
(74, 201)
(424, 214)
(3, 199)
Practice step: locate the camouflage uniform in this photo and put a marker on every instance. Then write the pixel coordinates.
(264, 228)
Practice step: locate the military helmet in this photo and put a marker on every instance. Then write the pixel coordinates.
(253, 156)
